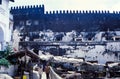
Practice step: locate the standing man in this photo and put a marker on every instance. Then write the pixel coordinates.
(47, 71)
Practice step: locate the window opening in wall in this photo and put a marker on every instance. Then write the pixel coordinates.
(21, 22)
(36, 22)
(29, 22)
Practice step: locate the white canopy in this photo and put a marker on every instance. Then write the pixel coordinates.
(5, 76)
(60, 59)
(113, 64)
(46, 57)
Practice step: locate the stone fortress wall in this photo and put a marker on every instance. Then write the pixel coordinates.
(65, 20)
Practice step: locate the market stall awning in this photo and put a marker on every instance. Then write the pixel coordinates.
(23, 53)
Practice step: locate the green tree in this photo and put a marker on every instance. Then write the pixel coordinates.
(4, 54)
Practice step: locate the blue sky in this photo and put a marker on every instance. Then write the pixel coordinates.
(51, 5)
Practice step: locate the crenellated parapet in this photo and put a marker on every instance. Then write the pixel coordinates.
(82, 12)
(39, 9)
(116, 12)
(30, 9)
(65, 20)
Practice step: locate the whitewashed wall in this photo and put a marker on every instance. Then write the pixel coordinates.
(5, 30)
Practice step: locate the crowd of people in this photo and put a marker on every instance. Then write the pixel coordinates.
(34, 69)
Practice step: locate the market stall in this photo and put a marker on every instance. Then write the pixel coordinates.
(24, 62)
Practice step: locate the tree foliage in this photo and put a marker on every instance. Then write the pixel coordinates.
(4, 54)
